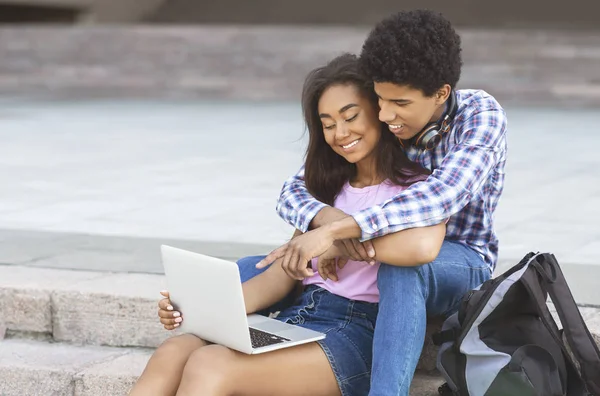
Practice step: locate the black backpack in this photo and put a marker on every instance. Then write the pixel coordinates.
(503, 341)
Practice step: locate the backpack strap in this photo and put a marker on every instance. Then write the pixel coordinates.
(580, 340)
(445, 390)
(443, 336)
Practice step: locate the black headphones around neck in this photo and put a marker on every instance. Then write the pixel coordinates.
(431, 135)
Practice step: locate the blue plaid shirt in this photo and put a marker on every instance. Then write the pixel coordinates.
(465, 185)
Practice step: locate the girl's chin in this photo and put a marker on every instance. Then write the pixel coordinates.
(353, 158)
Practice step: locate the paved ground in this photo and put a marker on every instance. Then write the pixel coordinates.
(99, 185)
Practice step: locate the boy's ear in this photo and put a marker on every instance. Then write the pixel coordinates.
(442, 94)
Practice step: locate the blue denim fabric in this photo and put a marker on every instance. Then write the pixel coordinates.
(349, 326)
(247, 266)
(248, 270)
(407, 296)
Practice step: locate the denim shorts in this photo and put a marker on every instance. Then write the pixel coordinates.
(349, 326)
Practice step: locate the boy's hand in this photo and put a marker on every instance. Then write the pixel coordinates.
(298, 252)
(170, 318)
(359, 251)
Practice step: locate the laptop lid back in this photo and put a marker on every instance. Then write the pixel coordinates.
(208, 293)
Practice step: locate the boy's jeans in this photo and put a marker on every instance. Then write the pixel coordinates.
(407, 296)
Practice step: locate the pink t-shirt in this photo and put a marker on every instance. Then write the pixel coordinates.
(358, 279)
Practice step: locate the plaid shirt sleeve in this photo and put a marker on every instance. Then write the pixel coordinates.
(450, 187)
(445, 192)
(295, 205)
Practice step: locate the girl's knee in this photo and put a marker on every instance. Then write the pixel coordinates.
(179, 346)
(209, 368)
(210, 358)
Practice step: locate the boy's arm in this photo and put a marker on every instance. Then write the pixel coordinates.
(464, 170)
(445, 192)
(408, 248)
(411, 247)
(300, 209)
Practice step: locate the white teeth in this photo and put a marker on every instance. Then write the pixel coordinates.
(396, 127)
(354, 143)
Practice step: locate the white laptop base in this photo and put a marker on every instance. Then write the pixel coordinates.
(208, 293)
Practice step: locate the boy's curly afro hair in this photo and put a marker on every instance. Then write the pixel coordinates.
(417, 48)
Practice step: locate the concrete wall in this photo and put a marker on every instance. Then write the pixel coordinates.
(73, 11)
(468, 13)
(270, 63)
(26, 13)
(476, 13)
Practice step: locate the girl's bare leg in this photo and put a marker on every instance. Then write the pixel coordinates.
(162, 374)
(218, 371)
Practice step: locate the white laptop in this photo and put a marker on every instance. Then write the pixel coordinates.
(208, 293)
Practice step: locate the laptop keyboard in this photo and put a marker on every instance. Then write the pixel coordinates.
(262, 339)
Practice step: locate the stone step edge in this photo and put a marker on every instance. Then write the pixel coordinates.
(33, 367)
(36, 300)
(37, 367)
(74, 306)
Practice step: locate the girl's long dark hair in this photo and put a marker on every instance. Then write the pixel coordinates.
(326, 171)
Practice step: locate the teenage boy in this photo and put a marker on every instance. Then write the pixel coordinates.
(414, 60)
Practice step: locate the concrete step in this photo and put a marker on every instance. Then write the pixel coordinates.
(93, 308)
(35, 368)
(82, 307)
(114, 309)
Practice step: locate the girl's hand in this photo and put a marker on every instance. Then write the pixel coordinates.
(327, 268)
(170, 318)
(327, 264)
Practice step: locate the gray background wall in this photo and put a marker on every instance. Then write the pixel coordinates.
(573, 14)
(522, 51)
(483, 13)
(269, 63)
